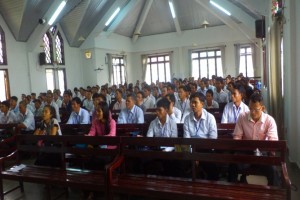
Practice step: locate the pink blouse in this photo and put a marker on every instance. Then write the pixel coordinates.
(98, 128)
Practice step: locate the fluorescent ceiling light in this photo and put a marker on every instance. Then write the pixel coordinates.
(220, 7)
(57, 12)
(172, 9)
(112, 16)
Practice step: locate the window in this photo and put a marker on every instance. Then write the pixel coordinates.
(246, 61)
(59, 47)
(3, 57)
(206, 63)
(158, 68)
(118, 70)
(48, 48)
(55, 78)
(54, 47)
(4, 85)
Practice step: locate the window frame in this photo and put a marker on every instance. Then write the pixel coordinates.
(120, 65)
(157, 62)
(199, 58)
(246, 54)
(56, 78)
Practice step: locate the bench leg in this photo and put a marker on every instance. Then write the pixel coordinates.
(21, 186)
(1, 190)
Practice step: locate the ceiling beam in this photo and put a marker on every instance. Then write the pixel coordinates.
(101, 24)
(238, 13)
(176, 22)
(124, 12)
(38, 33)
(225, 18)
(141, 20)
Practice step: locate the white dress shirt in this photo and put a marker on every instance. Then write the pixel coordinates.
(156, 129)
(231, 112)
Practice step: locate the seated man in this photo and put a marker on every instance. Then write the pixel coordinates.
(132, 114)
(25, 119)
(163, 125)
(255, 125)
(120, 102)
(209, 102)
(38, 108)
(7, 116)
(183, 103)
(79, 115)
(219, 95)
(14, 105)
(233, 109)
(199, 123)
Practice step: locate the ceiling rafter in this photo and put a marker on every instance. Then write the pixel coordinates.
(141, 20)
(224, 18)
(176, 22)
(125, 11)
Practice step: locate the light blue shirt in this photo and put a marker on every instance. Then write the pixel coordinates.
(27, 120)
(9, 118)
(205, 127)
(184, 107)
(231, 112)
(133, 116)
(83, 117)
(221, 97)
(169, 129)
(176, 115)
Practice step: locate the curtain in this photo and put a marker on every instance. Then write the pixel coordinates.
(125, 68)
(237, 58)
(275, 92)
(253, 58)
(110, 68)
(222, 48)
(144, 67)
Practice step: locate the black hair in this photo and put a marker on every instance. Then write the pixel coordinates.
(165, 103)
(103, 97)
(209, 91)
(106, 115)
(133, 97)
(14, 98)
(172, 86)
(77, 100)
(220, 79)
(52, 110)
(171, 97)
(256, 97)
(6, 103)
(240, 88)
(184, 88)
(142, 93)
(95, 95)
(198, 95)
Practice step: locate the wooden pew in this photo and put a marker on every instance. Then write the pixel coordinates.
(8, 133)
(91, 180)
(202, 150)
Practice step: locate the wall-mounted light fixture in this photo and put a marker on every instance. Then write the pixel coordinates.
(88, 54)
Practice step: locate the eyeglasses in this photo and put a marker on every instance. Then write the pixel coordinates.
(255, 109)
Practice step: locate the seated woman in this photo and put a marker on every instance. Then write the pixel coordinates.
(103, 124)
(49, 126)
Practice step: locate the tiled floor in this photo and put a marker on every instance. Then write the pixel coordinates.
(39, 192)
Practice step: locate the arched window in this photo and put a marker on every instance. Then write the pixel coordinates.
(59, 49)
(48, 48)
(3, 57)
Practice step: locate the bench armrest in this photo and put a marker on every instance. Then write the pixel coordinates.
(112, 166)
(9, 157)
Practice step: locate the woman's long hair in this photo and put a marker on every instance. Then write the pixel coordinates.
(106, 115)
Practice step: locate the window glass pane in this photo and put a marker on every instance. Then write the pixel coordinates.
(161, 75)
(1, 48)
(148, 75)
(153, 59)
(160, 58)
(211, 53)
(195, 68)
(122, 80)
(47, 48)
(154, 73)
(58, 50)
(203, 68)
(218, 53)
(50, 79)
(167, 58)
(219, 67)
(203, 54)
(2, 86)
(242, 65)
(249, 50)
(195, 55)
(61, 80)
(211, 67)
(250, 71)
(168, 72)
(242, 50)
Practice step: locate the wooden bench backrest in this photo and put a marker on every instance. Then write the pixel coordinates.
(224, 151)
